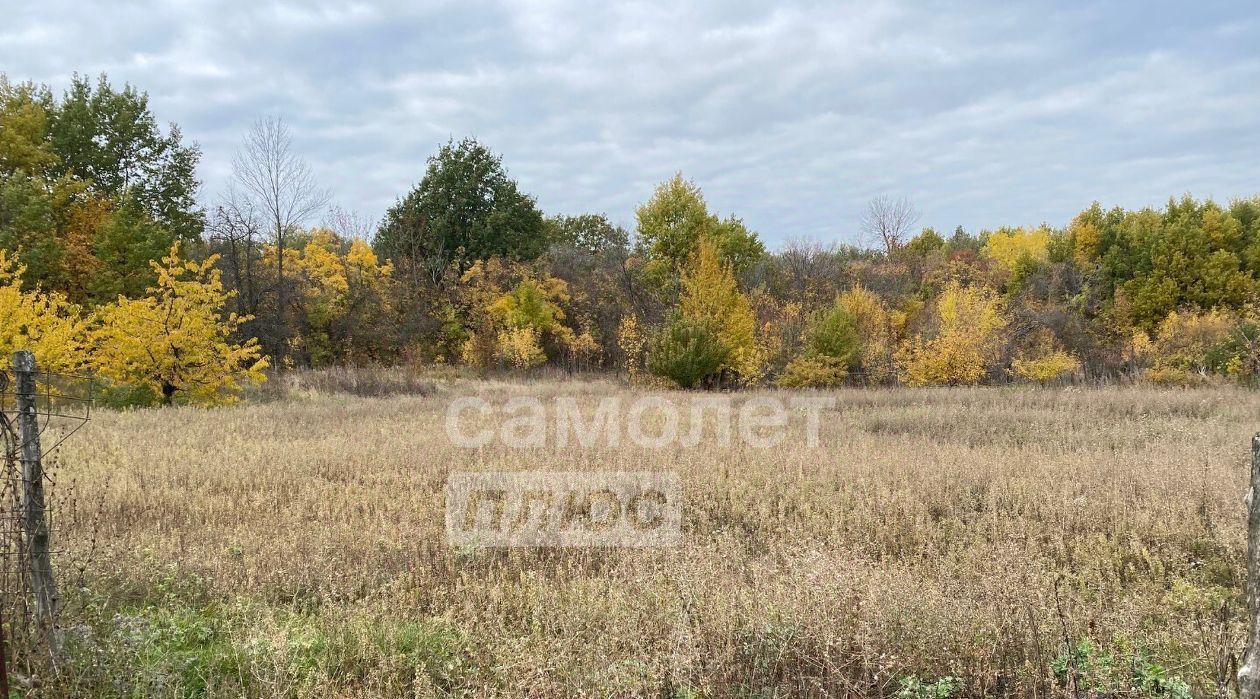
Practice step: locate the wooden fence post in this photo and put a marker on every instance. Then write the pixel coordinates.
(34, 519)
(1249, 673)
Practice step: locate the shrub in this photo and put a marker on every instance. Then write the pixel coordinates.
(814, 371)
(969, 339)
(914, 688)
(1042, 359)
(832, 346)
(686, 352)
(833, 333)
(520, 348)
(1046, 369)
(1174, 376)
(1187, 340)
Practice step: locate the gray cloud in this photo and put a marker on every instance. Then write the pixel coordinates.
(790, 115)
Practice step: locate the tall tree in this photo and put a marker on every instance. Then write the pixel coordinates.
(284, 193)
(676, 218)
(465, 209)
(234, 233)
(711, 297)
(890, 220)
(591, 233)
(111, 139)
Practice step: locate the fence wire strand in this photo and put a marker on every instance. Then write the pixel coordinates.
(63, 404)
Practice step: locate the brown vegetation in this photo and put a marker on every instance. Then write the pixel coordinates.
(296, 548)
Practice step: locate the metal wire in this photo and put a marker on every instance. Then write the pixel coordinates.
(56, 395)
(55, 392)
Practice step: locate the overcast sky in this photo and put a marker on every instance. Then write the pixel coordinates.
(789, 115)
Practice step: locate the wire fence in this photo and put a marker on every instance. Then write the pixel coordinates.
(57, 407)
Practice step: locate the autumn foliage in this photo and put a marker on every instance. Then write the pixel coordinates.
(175, 342)
(109, 263)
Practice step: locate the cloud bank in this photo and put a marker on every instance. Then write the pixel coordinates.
(789, 115)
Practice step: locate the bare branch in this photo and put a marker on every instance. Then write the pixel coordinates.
(277, 180)
(890, 220)
(348, 224)
(283, 190)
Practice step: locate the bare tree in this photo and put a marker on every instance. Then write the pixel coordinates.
(891, 220)
(234, 233)
(348, 224)
(283, 191)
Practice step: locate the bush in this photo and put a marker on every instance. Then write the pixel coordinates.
(1046, 369)
(1173, 376)
(972, 323)
(520, 347)
(832, 345)
(914, 688)
(1043, 359)
(814, 371)
(686, 352)
(833, 333)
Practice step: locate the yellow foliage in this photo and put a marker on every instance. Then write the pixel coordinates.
(478, 349)
(1047, 368)
(332, 279)
(321, 264)
(23, 129)
(1139, 348)
(1043, 360)
(781, 327)
(1184, 338)
(175, 340)
(1008, 246)
(501, 298)
(632, 339)
(1178, 354)
(45, 323)
(969, 338)
(814, 371)
(520, 347)
(532, 304)
(1086, 241)
(711, 298)
(583, 346)
(875, 331)
(361, 259)
(1174, 376)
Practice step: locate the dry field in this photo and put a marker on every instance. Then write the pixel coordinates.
(296, 548)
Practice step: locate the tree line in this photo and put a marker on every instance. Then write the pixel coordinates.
(109, 262)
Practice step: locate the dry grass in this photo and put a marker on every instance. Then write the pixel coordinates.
(296, 548)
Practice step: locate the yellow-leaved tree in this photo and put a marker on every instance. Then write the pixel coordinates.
(45, 323)
(972, 323)
(175, 342)
(1185, 348)
(342, 292)
(1011, 247)
(712, 299)
(875, 331)
(530, 313)
(632, 340)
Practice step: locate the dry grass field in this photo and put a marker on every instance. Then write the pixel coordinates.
(295, 547)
